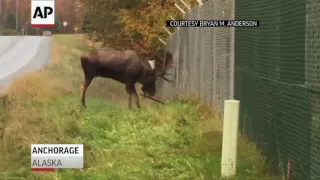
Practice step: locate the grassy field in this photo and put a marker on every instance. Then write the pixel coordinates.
(179, 141)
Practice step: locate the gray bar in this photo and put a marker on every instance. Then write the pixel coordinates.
(57, 162)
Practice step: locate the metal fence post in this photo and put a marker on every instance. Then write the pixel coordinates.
(197, 53)
(178, 78)
(214, 64)
(231, 52)
(202, 91)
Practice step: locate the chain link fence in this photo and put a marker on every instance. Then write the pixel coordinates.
(277, 75)
(202, 57)
(277, 82)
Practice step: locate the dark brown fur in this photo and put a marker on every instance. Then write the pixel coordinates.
(127, 67)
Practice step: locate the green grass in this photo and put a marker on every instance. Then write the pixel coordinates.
(179, 141)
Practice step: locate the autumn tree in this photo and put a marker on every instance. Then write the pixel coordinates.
(125, 24)
(102, 17)
(144, 24)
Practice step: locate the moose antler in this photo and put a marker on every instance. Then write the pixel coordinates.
(156, 100)
(165, 78)
(167, 63)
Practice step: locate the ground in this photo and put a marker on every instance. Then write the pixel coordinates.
(181, 140)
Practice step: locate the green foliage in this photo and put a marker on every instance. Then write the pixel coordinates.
(86, 24)
(58, 25)
(154, 143)
(10, 22)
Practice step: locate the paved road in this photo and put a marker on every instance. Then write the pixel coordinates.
(20, 55)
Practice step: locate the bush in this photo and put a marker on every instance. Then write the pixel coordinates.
(10, 32)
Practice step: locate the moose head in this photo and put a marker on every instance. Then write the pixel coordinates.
(151, 75)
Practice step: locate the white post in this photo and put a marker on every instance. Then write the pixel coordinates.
(230, 137)
(65, 24)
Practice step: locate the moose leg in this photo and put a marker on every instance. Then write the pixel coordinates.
(131, 90)
(135, 94)
(85, 84)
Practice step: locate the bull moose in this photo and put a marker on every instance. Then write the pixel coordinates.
(127, 67)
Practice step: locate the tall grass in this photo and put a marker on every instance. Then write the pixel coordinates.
(181, 140)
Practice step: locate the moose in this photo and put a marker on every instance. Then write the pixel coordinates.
(127, 67)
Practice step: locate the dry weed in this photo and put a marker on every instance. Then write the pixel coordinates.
(21, 129)
(38, 86)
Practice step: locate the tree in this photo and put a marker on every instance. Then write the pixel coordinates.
(57, 27)
(101, 16)
(10, 21)
(144, 23)
(125, 24)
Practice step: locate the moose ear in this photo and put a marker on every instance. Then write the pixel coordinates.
(145, 64)
(166, 79)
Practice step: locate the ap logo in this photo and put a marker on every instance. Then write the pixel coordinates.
(42, 13)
